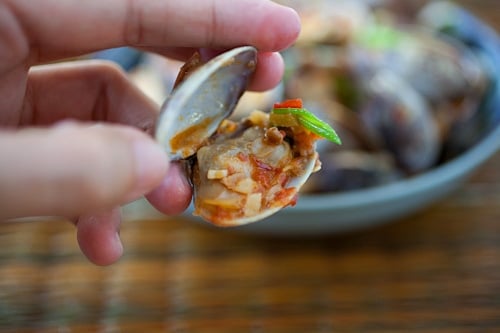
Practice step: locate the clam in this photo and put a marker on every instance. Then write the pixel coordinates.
(395, 113)
(351, 169)
(241, 171)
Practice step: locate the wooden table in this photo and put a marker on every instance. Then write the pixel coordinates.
(436, 271)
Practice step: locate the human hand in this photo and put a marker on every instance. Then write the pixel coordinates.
(75, 137)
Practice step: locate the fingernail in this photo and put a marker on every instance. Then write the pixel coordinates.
(151, 164)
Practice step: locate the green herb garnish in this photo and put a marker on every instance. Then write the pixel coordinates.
(309, 121)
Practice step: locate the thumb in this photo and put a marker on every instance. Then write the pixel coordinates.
(71, 169)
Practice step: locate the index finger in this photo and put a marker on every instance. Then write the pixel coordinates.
(61, 29)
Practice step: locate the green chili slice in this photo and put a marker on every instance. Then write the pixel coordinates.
(309, 121)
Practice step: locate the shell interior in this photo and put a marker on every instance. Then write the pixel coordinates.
(195, 109)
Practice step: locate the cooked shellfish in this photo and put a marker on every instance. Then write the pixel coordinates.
(241, 171)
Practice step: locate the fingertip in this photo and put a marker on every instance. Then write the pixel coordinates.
(279, 28)
(290, 26)
(151, 165)
(265, 24)
(173, 196)
(75, 168)
(98, 237)
(269, 71)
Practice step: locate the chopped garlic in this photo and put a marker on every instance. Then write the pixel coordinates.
(217, 174)
(259, 118)
(226, 202)
(317, 165)
(245, 186)
(253, 204)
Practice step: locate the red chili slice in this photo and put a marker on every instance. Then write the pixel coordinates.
(289, 103)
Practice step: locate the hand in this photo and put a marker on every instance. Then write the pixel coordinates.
(75, 137)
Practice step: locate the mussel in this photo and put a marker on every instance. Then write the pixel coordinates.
(241, 171)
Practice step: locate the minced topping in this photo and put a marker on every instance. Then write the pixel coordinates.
(247, 167)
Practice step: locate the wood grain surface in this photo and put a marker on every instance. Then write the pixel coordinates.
(435, 271)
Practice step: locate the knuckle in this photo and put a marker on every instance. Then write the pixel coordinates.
(13, 38)
(106, 70)
(133, 30)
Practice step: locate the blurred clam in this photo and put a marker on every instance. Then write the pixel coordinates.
(323, 23)
(481, 45)
(347, 170)
(437, 66)
(400, 118)
(449, 76)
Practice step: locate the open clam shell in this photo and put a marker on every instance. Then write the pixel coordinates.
(198, 105)
(241, 171)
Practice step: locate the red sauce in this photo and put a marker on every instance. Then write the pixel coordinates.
(242, 157)
(304, 142)
(283, 179)
(287, 196)
(220, 215)
(264, 174)
(191, 137)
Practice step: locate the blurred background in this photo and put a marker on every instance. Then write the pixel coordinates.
(411, 86)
